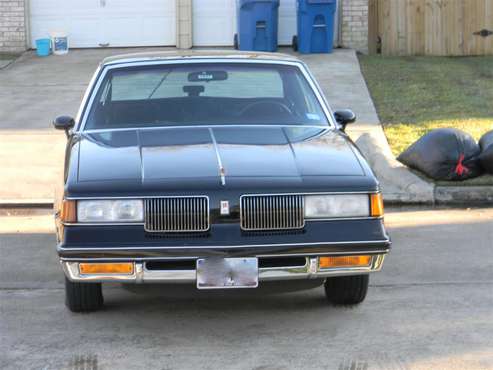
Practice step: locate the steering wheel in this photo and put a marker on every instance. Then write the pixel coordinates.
(283, 108)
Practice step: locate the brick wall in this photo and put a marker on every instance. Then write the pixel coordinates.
(12, 26)
(354, 27)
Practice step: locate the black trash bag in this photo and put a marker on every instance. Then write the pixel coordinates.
(444, 154)
(486, 156)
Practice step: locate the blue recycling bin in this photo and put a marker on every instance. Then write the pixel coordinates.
(315, 26)
(257, 25)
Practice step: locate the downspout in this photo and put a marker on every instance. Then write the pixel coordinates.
(27, 24)
(339, 22)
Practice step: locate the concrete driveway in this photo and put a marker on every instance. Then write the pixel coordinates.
(35, 90)
(430, 308)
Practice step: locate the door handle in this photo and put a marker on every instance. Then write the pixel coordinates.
(102, 3)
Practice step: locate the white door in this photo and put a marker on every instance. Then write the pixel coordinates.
(214, 22)
(93, 23)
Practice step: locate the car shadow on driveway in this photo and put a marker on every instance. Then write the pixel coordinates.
(186, 297)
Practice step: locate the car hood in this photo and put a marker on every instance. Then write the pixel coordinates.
(216, 155)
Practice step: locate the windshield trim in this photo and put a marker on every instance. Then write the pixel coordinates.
(96, 85)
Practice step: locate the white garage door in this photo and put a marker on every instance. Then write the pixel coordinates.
(287, 22)
(93, 23)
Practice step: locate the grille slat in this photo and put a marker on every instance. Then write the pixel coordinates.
(272, 212)
(177, 214)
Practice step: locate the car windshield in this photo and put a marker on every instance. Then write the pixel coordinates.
(204, 94)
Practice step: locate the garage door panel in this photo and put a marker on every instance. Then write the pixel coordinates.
(83, 39)
(221, 35)
(126, 30)
(60, 8)
(91, 23)
(287, 21)
(214, 22)
(165, 27)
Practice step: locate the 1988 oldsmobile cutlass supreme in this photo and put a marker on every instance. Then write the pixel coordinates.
(220, 169)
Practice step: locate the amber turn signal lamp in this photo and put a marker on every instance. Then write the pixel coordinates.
(344, 261)
(68, 213)
(126, 268)
(376, 202)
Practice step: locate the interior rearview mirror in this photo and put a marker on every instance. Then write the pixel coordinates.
(64, 123)
(344, 117)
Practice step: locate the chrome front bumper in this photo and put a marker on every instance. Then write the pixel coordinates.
(142, 275)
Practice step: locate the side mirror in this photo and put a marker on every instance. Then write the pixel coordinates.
(64, 123)
(344, 117)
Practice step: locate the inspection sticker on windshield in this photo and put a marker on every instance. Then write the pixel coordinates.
(313, 116)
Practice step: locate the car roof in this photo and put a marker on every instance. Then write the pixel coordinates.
(197, 54)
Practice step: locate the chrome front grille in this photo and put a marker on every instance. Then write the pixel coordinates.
(272, 212)
(177, 214)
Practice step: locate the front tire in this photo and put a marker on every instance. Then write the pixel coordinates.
(346, 290)
(83, 297)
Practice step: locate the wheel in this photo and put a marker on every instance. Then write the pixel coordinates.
(235, 42)
(295, 43)
(83, 297)
(346, 290)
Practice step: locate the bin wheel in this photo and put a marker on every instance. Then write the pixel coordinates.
(235, 42)
(295, 43)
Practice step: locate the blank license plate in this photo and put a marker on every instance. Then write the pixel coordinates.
(221, 273)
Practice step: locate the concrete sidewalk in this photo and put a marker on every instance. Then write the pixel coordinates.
(35, 90)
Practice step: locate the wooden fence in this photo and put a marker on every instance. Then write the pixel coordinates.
(430, 27)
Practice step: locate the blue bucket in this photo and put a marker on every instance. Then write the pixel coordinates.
(43, 47)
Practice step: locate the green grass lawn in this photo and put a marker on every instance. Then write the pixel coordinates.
(414, 95)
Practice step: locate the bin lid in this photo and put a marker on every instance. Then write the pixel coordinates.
(258, 1)
(320, 1)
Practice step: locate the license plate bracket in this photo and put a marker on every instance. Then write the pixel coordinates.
(227, 273)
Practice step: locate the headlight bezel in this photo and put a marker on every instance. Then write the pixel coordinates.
(111, 211)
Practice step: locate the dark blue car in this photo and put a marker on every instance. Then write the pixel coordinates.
(220, 169)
